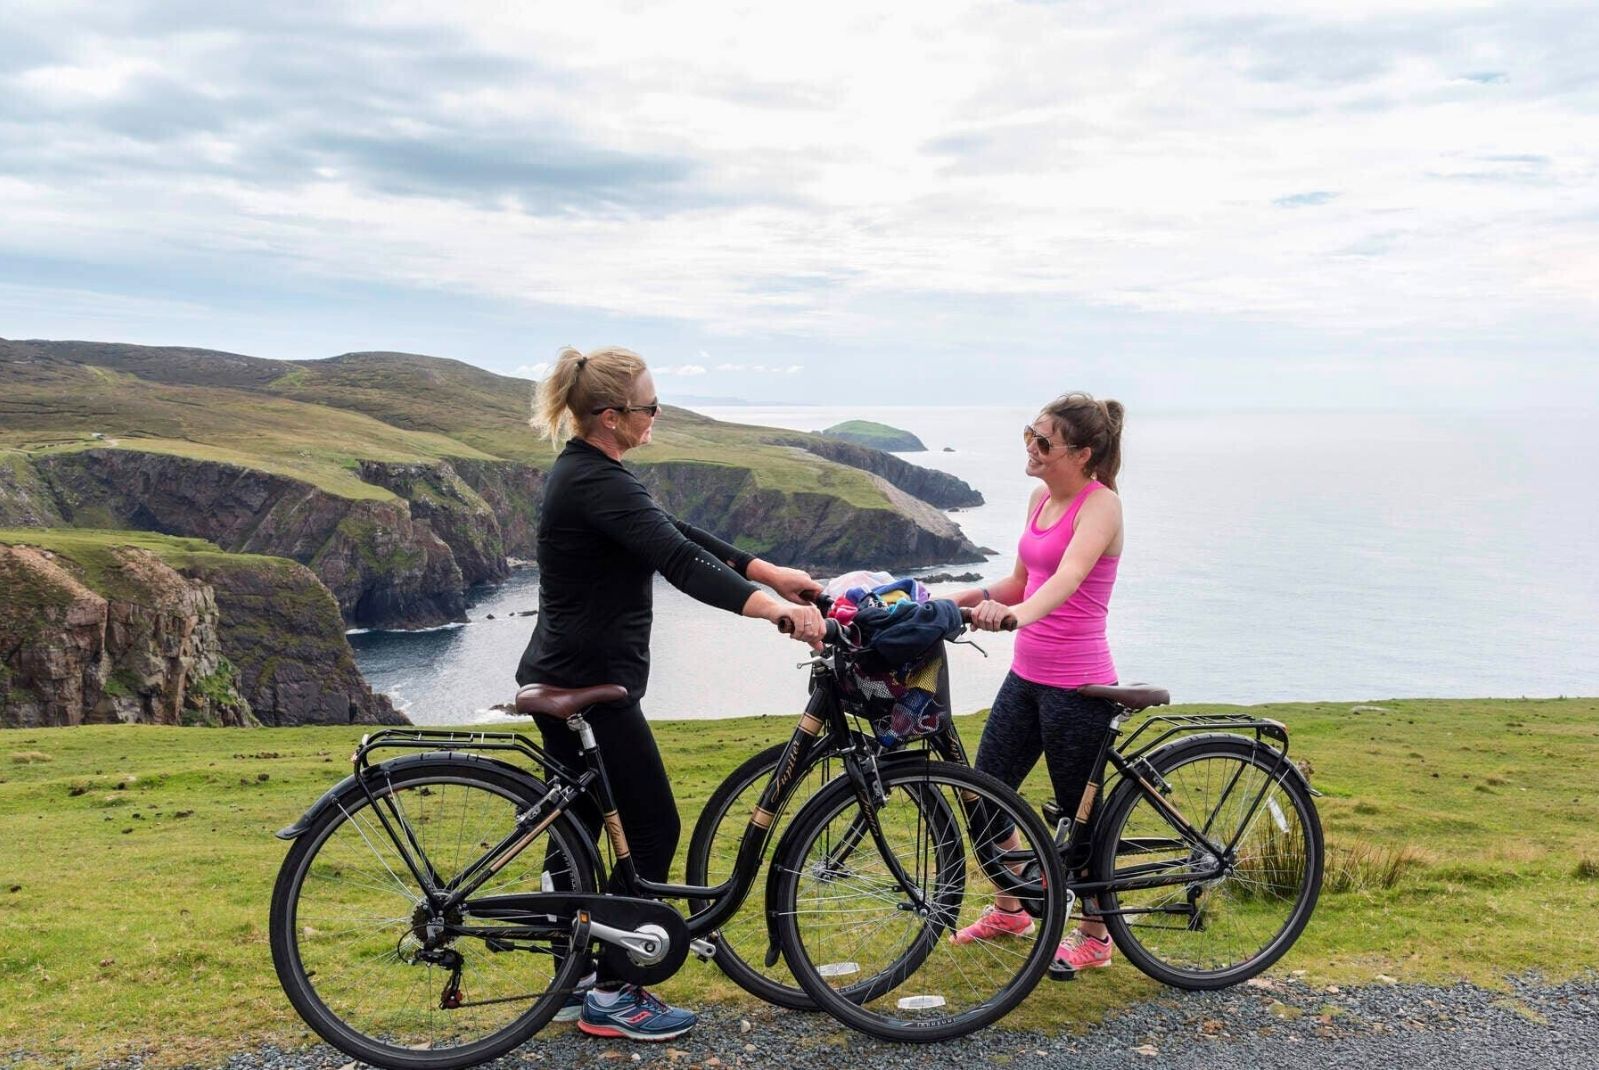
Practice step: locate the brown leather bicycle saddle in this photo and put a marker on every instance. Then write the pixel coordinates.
(1132, 696)
(563, 702)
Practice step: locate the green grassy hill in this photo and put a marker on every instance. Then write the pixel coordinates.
(876, 435)
(138, 865)
(314, 419)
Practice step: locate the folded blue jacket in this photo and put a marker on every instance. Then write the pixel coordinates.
(907, 631)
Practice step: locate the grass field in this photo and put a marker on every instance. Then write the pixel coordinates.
(136, 866)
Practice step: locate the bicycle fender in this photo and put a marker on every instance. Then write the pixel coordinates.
(1291, 766)
(1128, 787)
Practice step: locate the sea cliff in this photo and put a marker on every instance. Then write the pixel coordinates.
(113, 627)
(403, 480)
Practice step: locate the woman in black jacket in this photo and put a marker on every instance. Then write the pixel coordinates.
(601, 539)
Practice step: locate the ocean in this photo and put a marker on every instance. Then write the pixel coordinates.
(1270, 556)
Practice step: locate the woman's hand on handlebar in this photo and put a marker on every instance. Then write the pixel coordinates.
(804, 623)
(991, 616)
(791, 584)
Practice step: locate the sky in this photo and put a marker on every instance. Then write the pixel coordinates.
(1191, 205)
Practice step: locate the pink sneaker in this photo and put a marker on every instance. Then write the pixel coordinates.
(993, 922)
(1081, 952)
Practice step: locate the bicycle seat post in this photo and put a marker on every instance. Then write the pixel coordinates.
(585, 733)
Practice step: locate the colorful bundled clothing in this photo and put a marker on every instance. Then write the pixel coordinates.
(895, 677)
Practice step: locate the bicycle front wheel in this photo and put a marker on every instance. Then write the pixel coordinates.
(1219, 916)
(712, 852)
(886, 904)
(350, 929)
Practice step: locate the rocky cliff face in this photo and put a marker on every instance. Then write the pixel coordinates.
(808, 530)
(26, 500)
(935, 488)
(456, 513)
(407, 562)
(144, 651)
(386, 568)
(129, 638)
(284, 633)
(512, 491)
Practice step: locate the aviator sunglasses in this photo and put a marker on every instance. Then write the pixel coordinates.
(1033, 438)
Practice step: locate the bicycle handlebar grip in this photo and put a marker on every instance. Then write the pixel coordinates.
(830, 635)
(1006, 625)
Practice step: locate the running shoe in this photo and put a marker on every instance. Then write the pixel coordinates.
(636, 1015)
(1082, 952)
(994, 922)
(573, 1007)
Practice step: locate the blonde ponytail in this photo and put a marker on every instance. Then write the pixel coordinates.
(579, 383)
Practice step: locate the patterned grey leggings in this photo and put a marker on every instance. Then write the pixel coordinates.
(1029, 720)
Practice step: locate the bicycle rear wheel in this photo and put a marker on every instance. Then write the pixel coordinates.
(1203, 931)
(349, 929)
(890, 915)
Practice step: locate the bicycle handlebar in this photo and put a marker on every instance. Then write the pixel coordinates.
(834, 633)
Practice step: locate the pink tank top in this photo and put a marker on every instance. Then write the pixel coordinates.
(1068, 647)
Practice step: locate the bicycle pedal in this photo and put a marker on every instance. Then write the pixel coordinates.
(1059, 971)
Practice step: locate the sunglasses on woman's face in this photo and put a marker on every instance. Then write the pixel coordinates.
(653, 408)
(1033, 438)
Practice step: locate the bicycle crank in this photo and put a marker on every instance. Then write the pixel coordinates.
(642, 941)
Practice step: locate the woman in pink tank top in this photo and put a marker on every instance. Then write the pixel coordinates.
(1059, 593)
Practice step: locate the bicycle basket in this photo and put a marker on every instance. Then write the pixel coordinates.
(900, 706)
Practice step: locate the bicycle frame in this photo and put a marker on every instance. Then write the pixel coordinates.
(823, 730)
(1132, 764)
(823, 724)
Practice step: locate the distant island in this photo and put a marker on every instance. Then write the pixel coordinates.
(877, 436)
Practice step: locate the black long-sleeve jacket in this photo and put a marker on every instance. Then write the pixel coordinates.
(601, 539)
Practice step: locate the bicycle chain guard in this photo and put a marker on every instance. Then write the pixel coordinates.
(615, 911)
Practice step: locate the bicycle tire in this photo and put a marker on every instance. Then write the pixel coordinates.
(969, 985)
(340, 871)
(711, 852)
(1241, 922)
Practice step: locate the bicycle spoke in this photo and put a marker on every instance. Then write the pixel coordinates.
(1248, 907)
(367, 967)
(883, 953)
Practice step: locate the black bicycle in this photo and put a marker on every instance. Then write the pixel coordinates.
(1205, 860)
(435, 909)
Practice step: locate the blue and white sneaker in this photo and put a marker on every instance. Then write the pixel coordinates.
(574, 1001)
(635, 1014)
(571, 1009)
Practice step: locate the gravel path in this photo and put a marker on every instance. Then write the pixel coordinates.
(1278, 1023)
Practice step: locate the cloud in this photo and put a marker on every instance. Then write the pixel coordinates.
(759, 369)
(1305, 200)
(679, 369)
(532, 371)
(794, 184)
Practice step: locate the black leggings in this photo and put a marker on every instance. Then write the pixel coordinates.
(1029, 720)
(638, 783)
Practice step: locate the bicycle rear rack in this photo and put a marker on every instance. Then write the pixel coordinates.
(447, 739)
(1176, 724)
